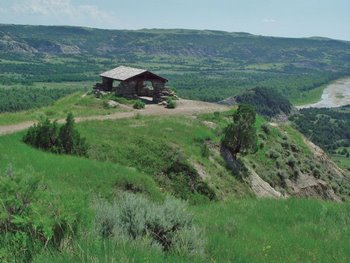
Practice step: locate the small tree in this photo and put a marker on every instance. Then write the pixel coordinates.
(48, 136)
(240, 136)
(70, 140)
(66, 135)
(43, 135)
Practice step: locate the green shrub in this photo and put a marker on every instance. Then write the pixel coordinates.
(291, 161)
(266, 128)
(43, 135)
(294, 147)
(279, 163)
(273, 154)
(216, 114)
(46, 135)
(205, 152)
(261, 145)
(262, 136)
(316, 172)
(282, 175)
(185, 180)
(30, 219)
(171, 104)
(296, 173)
(139, 105)
(285, 145)
(167, 225)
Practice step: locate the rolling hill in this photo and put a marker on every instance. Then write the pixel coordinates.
(159, 185)
(206, 65)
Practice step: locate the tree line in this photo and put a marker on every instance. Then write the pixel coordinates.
(329, 128)
(19, 99)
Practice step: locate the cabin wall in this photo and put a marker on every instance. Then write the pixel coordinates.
(107, 84)
(158, 87)
(137, 87)
(127, 89)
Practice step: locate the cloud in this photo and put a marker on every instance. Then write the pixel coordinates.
(269, 20)
(65, 11)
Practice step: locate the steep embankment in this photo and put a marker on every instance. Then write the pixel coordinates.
(294, 166)
(287, 164)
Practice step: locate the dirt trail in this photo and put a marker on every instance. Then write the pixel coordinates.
(184, 107)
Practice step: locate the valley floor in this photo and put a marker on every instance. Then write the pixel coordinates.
(336, 94)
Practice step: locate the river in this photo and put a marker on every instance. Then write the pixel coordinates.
(335, 94)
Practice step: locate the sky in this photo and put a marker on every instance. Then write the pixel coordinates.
(286, 18)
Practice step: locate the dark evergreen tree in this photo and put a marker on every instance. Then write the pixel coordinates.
(66, 135)
(240, 136)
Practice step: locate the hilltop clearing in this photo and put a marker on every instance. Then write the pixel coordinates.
(82, 106)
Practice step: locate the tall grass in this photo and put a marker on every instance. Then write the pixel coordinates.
(294, 230)
(73, 176)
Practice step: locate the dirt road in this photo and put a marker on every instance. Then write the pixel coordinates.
(184, 107)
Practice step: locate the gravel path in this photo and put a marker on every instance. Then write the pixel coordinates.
(184, 107)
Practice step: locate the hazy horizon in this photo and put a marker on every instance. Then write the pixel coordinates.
(297, 19)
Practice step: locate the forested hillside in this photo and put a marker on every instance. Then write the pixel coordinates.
(329, 128)
(206, 65)
(267, 102)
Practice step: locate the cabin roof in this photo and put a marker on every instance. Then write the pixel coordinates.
(123, 73)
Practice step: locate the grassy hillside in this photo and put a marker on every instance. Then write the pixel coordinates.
(247, 231)
(240, 229)
(334, 138)
(206, 65)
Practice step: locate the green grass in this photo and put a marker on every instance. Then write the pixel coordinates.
(72, 176)
(236, 230)
(246, 230)
(78, 103)
(342, 161)
(147, 143)
(293, 230)
(309, 97)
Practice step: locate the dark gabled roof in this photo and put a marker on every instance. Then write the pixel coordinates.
(123, 73)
